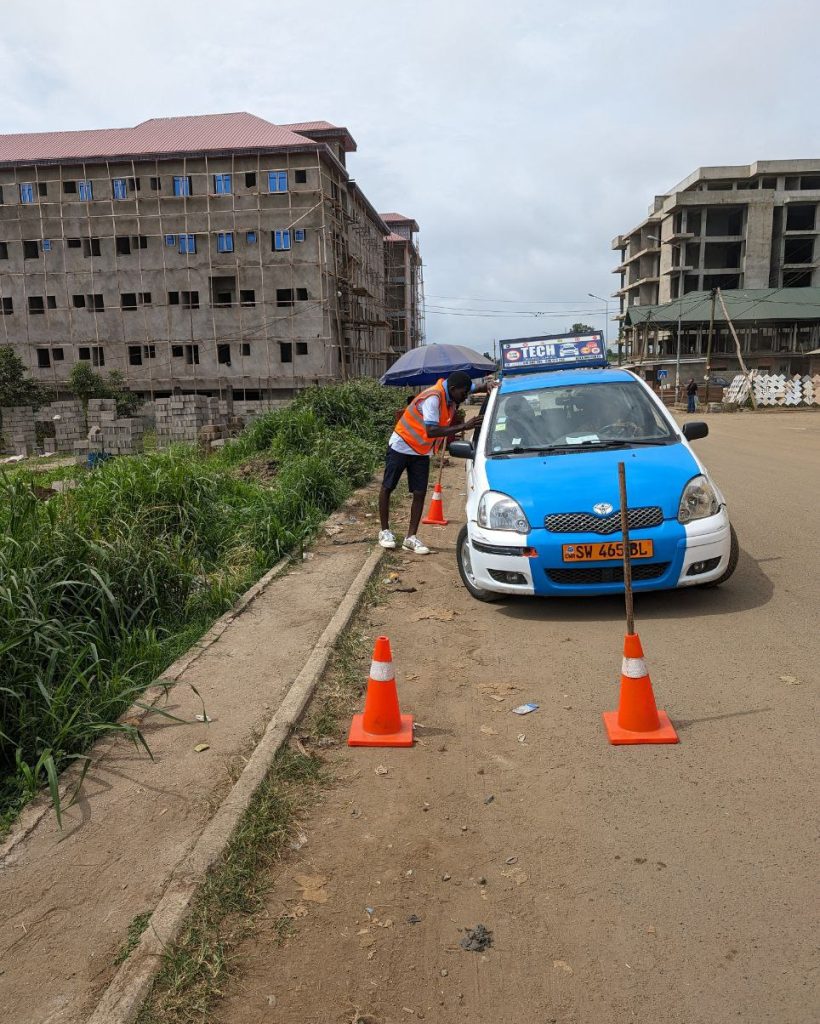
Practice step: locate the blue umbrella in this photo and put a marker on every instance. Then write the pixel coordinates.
(425, 365)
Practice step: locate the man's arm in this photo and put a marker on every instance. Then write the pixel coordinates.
(459, 428)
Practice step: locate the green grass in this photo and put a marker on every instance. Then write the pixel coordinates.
(103, 586)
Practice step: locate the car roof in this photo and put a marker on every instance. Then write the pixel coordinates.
(561, 378)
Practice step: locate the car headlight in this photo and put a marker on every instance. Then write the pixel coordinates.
(498, 511)
(698, 500)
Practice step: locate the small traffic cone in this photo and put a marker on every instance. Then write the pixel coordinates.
(637, 719)
(435, 517)
(381, 724)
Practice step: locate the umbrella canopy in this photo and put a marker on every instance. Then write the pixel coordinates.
(425, 365)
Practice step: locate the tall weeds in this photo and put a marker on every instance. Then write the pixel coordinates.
(102, 586)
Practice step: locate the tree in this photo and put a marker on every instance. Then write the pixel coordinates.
(86, 384)
(581, 329)
(16, 388)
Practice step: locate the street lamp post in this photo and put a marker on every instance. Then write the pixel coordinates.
(600, 298)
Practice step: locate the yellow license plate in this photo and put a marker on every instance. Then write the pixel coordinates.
(606, 551)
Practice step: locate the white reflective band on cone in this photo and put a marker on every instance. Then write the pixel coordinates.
(634, 668)
(381, 671)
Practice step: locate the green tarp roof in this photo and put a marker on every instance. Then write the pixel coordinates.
(744, 305)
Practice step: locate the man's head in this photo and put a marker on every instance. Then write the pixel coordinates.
(458, 386)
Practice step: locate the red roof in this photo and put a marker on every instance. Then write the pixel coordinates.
(399, 218)
(158, 136)
(392, 237)
(324, 130)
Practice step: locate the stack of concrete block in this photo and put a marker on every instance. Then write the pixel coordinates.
(181, 417)
(101, 413)
(18, 429)
(70, 429)
(124, 436)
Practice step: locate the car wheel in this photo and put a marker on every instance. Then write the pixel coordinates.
(734, 555)
(465, 569)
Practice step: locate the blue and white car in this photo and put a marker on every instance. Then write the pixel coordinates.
(543, 507)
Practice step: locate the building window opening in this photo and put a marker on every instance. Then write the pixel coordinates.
(123, 245)
(284, 297)
(135, 355)
(222, 184)
(36, 305)
(31, 250)
(223, 355)
(91, 247)
(189, 300)
(247, 297)
(43, 358)
(182, 185)
(800, 218)
(223, 291)
(250, 179)
(722, 220)
(192, 355)
(128, 300)
(798, 250)
(285, 352)
(224, 241)
(301, 348)
(300, 177)
(797, 279)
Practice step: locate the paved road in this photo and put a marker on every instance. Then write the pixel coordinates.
(645, 884)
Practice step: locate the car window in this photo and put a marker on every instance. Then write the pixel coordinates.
(586, 414)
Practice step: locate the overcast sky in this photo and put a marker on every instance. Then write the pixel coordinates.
(522, 135)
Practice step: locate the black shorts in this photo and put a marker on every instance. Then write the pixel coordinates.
(417, 466)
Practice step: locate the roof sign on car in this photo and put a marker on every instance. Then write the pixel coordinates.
(552, 352)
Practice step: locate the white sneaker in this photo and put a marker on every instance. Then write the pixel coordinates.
(387, 539)
(415, 545)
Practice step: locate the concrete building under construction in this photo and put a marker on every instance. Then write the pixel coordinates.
(214, 254)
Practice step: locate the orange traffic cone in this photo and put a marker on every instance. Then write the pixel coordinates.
(637, 719)
(382, 724)
(435, 517)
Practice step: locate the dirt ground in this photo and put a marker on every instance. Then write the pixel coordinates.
(68, 897)
(620, 884)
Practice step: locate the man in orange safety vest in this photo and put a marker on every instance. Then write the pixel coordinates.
(428, 417)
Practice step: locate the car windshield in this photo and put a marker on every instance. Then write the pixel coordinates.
(612, 414)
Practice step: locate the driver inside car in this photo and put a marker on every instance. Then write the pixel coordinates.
(522, 423)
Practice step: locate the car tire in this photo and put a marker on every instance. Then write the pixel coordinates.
(734, 555)
(464, 569)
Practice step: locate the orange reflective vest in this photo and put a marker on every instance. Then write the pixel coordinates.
(410, 427)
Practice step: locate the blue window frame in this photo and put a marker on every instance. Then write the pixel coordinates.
(299, 235)
(120, 188)
(222, 184)
(46, 245)
(281, 240)
(170, 239)
(27, 194)
(277, 181)
(187, 243)
(182, 185)
(85, 191)
(250, 237)
(224, 241)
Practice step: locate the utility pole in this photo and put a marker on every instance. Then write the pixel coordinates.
(708, 370)
(677, 365)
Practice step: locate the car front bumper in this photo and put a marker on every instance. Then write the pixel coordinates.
(683, 555)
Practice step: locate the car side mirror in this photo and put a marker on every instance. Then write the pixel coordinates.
(462, 449)
(695, 429)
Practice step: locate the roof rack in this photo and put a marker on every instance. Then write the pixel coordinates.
(552, 352)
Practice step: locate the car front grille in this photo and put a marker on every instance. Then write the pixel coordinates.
(586, 522)
(606, 574)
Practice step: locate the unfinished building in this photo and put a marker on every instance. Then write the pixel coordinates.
(751, 226)
(220, 255)
(404, 282)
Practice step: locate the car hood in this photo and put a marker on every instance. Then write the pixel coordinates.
(545, 485)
